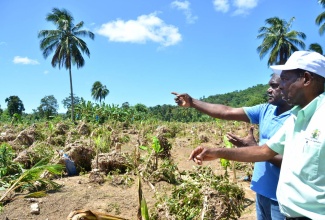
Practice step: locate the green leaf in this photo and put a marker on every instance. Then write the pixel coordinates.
(226, 142)
(143, 147)
(156, 145)
(38, 194)
(144, 209)
(224, 162)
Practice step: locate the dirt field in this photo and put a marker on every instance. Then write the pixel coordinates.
(78, 193)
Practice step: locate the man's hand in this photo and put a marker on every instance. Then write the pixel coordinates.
(249, 140)
(183, 100)
(201, 154)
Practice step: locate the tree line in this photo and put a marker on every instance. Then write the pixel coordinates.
(100, 112)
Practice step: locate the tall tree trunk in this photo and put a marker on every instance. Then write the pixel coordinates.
(71, 92)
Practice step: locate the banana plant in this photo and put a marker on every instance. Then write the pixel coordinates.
(29, 178)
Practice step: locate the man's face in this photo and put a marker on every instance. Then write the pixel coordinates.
(291, 87)
(274, 92)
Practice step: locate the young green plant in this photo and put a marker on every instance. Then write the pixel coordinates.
(224, 162)
(154, 150)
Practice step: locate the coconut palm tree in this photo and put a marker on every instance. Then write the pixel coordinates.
(64, 41)
(316, 47)
(278, 40)
(99, 91)
(320, 19)
(322, 3)
(320, 22)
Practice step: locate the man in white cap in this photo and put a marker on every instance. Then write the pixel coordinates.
(301, 140)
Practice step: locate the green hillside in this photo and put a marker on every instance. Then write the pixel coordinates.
(248, 97)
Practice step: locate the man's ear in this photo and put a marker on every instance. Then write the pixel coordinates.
(308, 77)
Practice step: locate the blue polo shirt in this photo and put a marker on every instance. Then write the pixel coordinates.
(266, 175)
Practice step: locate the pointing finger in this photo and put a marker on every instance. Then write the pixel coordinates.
(251, 130)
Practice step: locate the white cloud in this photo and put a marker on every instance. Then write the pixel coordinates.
(24, 60)
(221, 5)
(145, 28)
(46, 72)
(185, 7)
(244, 6)
(241, 7)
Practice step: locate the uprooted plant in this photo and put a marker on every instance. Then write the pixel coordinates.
(35, 180)
(201, 195)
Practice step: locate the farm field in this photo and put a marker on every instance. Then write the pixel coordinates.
(117, 193)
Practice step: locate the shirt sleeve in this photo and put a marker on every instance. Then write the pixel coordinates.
(253, 113)
(276, 142)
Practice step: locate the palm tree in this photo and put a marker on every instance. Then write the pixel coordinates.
(64, 41)
(99, 91)
(316, 47)
(320, 22)
(320, 19)
(279, 40)
(322, 2)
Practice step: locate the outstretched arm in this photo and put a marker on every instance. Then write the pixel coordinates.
(244, 154)
(213, 110)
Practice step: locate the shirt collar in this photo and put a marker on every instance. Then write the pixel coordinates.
(312, 106)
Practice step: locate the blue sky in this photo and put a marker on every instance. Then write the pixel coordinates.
(143, 50)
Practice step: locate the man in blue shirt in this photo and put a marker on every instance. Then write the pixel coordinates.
(270, 117)
(301, 139)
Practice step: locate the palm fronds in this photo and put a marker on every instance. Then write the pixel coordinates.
(33, 179)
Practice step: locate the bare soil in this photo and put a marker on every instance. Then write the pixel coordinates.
(78, 192)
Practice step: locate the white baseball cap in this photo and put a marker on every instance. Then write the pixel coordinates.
(311, 61)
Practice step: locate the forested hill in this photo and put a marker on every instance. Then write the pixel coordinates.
(248, 97)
